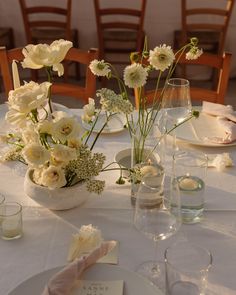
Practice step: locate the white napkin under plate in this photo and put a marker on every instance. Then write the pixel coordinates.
(225, 118)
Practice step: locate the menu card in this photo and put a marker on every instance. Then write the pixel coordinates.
(100, 288)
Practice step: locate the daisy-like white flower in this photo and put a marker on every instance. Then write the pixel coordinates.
(135, 75)
(99, 68)
(194, 53)
(161, 57)
(35, 155)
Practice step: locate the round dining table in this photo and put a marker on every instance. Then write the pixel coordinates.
(47, 234)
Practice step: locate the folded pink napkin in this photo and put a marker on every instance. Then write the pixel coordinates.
(226, 119)
(62, 282)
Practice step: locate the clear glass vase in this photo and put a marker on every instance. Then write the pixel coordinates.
(147, 156)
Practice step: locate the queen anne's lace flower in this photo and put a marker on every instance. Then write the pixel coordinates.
(44, 55)
(135, 76)
(99, 68)
(161, 57)
(112, 102)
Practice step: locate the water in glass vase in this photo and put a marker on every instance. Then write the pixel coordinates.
(192, 197)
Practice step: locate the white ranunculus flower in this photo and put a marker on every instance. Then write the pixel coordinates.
(89, 111)
(45, 127)
(16, 118)
(99, 68)
(62, 154)
(135, 76)
(35, 154)
(44, 55)
(57, 115)
(30, 134)
(28, 97)
(161, 57)
(88, 239)
(53, 177)
(65, 128)
(74, 143)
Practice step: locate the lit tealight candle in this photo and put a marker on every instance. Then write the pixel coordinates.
(188, 183)
(15, 74)
(153, 175)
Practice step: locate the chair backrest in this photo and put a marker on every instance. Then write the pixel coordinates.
(205, 18)
(66, 89)
(46, 17)
(120, 18)
(213, 61)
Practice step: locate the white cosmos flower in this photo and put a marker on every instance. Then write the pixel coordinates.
(161, 57)
(35, 154)
(28, 97)
(194, 53)
(65, 128)
(62, 154)
(44, 55)
(135, 75)
(53, 177)
(99, 68)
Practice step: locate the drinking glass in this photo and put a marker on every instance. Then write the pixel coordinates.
(187, 266)
(176, 105)
(156, 217)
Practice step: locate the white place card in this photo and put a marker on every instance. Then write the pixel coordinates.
(112, 256)
(99, 288)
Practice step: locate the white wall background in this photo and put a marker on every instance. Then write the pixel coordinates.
(162, 18)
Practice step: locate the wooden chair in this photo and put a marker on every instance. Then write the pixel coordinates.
(44, 24)
(66, 89)
(120, 30)
(7, 37)
(208, 24)
(217, 95)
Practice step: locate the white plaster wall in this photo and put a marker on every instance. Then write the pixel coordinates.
(162, 18)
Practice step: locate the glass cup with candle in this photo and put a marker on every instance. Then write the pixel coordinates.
(190, 169)
(11, 216)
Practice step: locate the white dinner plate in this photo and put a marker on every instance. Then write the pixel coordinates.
(115, 124)
(133, 283)
(196, 131)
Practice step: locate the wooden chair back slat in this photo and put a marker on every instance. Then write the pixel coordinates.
(66, 89)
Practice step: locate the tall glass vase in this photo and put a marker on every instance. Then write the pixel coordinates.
(147, 154)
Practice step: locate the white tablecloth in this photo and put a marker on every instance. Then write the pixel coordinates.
(47, 234)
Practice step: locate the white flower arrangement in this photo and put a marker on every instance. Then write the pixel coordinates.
(50, 143)
(135, 76)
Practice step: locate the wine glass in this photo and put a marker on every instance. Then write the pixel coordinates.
(176, 105)
(158, 216)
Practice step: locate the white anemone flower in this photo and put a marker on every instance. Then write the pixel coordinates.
(135, 75)
(44, 55)
(161, 58)
(35, 154)
(53, 177)
(99, 68)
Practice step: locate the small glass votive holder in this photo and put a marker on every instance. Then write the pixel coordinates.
(2, 199)
(190, 169)
(187, 266)
(11, 220)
